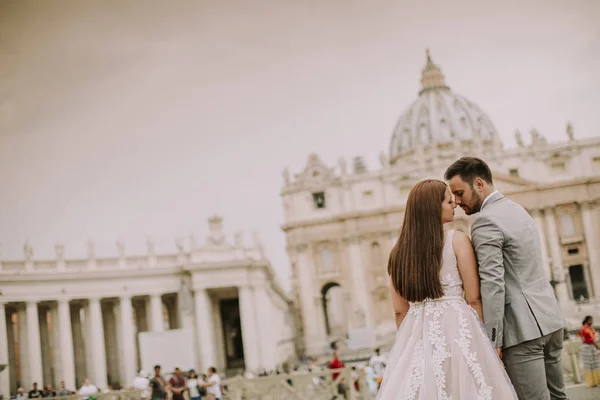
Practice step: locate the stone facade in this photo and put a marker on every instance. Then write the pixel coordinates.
(341, 223)
(69, 319)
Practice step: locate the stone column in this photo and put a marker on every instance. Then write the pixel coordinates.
(590, 221)
(128, 337)
(33, 344)
(172, 312)
(362, 308)
(204, 329)
(12, 357)
(558, 270)
(539, 221)
(266, 317)
(98, 352)
(79, 348)
(57, 372)
(314, 337)
(111, 337)
(250, 334)
(65, 335)
(45, 346)
(141, 325)
(23, 347)
(156, 313)
(4, 375)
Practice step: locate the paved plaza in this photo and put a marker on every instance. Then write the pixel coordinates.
(581, 392)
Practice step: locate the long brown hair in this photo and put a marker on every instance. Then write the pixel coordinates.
(415, 261)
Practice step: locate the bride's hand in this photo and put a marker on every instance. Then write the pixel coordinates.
(499, 353)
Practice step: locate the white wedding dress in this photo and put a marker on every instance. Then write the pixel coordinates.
(442, 351)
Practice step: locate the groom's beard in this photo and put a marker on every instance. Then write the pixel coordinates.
(475, 204)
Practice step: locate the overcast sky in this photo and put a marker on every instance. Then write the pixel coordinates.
(125, 120)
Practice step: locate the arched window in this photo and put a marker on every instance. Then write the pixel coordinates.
(326, 260)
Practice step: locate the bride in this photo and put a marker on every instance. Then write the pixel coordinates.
(442, 350)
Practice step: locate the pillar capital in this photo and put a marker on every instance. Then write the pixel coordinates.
(94, 299)
(587, 205)
(535, 212)
(549, 210)
(31, 303)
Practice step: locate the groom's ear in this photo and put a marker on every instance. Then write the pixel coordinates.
(478, 183)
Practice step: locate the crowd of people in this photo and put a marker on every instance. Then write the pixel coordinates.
(179, 386)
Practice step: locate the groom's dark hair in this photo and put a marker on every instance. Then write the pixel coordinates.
(469, 168)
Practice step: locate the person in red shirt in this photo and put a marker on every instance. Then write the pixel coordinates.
(590, 352)
(177, 385)
(336, 363)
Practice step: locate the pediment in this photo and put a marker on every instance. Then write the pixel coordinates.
(315, 172)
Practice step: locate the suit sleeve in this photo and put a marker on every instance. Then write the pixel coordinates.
(488, 241)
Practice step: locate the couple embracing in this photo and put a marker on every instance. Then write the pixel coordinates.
(476, 321)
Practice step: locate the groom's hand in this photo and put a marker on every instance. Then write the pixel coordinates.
(499, 352)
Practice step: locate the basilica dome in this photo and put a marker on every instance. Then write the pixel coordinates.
(440, 118)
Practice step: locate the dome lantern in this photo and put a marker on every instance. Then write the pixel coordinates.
(431, 76)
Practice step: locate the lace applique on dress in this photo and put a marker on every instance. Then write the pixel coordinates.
(438, 340)
(417, 375)
(464, 342)
(451, 286)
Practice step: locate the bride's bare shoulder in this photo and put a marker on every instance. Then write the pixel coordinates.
(461, 242)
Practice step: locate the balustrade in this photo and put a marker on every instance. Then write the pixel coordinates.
(307, 385)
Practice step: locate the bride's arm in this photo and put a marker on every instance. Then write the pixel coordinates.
(467, 267)
(400, 305)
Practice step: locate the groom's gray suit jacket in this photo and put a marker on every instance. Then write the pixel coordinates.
(518, 301)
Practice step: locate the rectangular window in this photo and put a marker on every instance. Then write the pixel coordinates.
(558, 166)
(514, 172)
(573, 251)
(319, 199)
(567, 224)
(578, 284)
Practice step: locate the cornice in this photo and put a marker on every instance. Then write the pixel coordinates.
(85, 275)
(343, 217)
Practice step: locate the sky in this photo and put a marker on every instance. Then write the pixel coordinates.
(145, 119)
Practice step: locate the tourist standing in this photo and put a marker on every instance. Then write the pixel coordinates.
(213, 385)
(377, 361)
(21, 394)
(193, 386)
(336, 364)
(590, 352)
(87, 388)
(158, 385)
(35, 393)
(177, 385)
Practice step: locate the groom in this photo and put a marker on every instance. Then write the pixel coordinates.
(520, 311)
